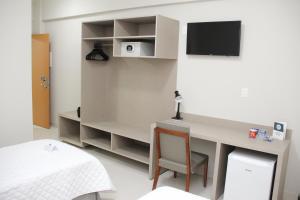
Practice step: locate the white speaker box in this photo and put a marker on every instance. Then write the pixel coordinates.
(136, 49)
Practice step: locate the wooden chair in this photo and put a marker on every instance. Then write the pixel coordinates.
(173, 153)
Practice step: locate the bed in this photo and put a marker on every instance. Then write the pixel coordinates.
(163, 193)
(48, 170)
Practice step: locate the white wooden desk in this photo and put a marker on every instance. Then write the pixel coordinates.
(227, 135)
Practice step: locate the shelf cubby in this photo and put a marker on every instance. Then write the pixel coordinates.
(141, 26)
(131, 148)
(69, 128)
(96, 137)
(98, 29)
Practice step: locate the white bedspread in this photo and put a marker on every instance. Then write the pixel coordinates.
(30, 172)
(163, 193)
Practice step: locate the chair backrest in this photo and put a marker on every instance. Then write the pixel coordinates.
(173, 142)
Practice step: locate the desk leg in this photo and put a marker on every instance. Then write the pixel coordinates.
(153, 153)
(222, 152)
(279, 179)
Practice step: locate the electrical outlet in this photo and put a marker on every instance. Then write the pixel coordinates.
(244, 92)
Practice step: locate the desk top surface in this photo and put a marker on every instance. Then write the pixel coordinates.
(230, 133)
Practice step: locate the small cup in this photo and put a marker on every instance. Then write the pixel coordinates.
(252, 133)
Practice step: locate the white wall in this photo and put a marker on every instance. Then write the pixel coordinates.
(36, 16)
(55, 9)
(268, 65)
(15, 72)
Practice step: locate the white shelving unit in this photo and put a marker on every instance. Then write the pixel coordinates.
(121, 98)
(159, 30)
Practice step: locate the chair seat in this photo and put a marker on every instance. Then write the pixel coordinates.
(197, 159)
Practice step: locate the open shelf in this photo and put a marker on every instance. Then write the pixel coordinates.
(121, 129)
(72, 140)
(135, 26)
(131, 148)
(137, 37)
(99, 142)
(99, 29)
(69, 128)
(70, 115)
(96, 137)
(98, 38)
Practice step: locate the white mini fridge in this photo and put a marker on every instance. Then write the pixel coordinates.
(249, 175)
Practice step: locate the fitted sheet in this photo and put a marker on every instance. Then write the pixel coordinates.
(31, 171)
(163, 193)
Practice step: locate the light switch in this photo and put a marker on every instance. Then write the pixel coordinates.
(244, 92)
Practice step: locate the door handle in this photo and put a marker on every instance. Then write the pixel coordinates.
(44, 81)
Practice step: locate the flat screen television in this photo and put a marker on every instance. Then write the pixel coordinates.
(214, 38)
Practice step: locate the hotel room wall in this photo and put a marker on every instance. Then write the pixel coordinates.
(211, 85)
(36, 16)
(15, 72)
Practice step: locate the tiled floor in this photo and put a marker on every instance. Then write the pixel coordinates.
(129, 177)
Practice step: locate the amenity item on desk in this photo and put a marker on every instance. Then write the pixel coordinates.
(49, 169)
(173, 147)
(164, 193)
(178, 100)
(252, 133)
(249, 175)
(260, 134)
(279, 130)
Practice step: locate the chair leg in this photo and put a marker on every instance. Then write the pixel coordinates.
(175, 174)
(157, 173)
(205, 174)
(187, 182)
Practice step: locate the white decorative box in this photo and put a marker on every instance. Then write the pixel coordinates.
(135, 49)
(279, 130)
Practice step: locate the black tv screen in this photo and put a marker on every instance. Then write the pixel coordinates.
(214, 38)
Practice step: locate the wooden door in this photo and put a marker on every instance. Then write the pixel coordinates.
(40, 80)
